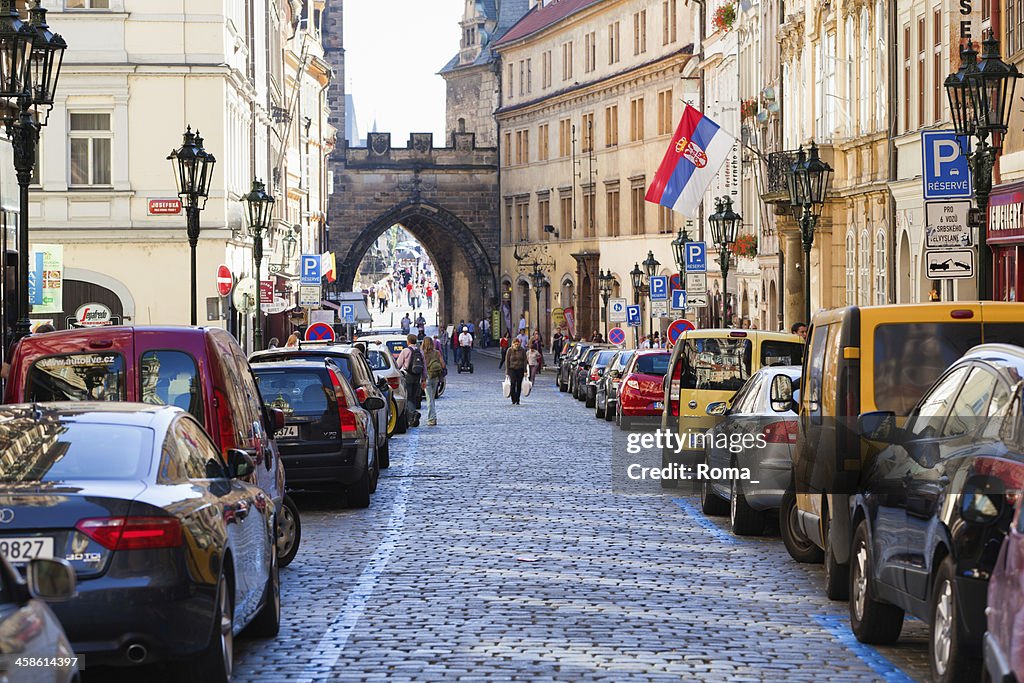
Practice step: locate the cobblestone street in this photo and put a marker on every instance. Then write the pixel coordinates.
(494, 549)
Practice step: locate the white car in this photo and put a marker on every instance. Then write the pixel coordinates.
(382, 362)
(395, 343)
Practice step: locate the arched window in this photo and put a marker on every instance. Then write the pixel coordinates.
(462, 125)
(881, 269)
(880, 49)
(865, 115)
(851, 269)
(865, 269)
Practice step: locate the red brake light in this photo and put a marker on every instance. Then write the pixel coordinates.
(133, 533)
(346, 416)
(361, 394)
(674, 388)
(100, 343)
(594, 375)
(781, 432)
(394, 382)
(737, 334)
(633, 384)
(225, 425)
(961, 314)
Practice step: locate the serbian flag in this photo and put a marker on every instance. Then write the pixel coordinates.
(698, 150)
(328, 266)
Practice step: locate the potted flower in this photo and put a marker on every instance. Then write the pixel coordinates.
(748, 108)
(745, 246)
(724, 17)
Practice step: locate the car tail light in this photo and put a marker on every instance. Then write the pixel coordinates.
(394, 382)
(737, 334)
(346, 416)
(133, 533)
(781, 432)
(595, 375)
(633, 384)
(225, 425)
(674, 388)
(961, 314)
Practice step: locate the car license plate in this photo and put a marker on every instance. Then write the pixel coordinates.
(289, 432)
(18, 550)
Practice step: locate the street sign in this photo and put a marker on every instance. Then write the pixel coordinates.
(266, 292)
(659, 309)
(310, 273)
(946, 225)
(617, 310)
(309, 297)
(633, 316)
(696, 283)
(617, 336)
(224, 280)
(347, 313)
(950, 265)
(165, 207)
(319, 332)
(675, 282)
(696, 257)
(697, 300)
(679, 300)
(677, 328)
(946, 174)
(659, 288)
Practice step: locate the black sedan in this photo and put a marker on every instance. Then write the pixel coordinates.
(329, 437)
(174, 554)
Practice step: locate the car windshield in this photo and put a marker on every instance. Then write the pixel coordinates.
(378, 360)
(717, 364)
(46, 448)
(781, 353)
(77, 377)
(653, 364)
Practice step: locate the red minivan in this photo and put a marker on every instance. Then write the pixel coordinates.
(201, 370)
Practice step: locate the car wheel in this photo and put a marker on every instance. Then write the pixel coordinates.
(874, 622)
(403, 421)
(837, 576)
(745, 520)
(710, 503)
(216, 662)
(392, 416)
(609, 414)
(374, 467)
(267, 623)
(946, 656)
(384, 455)
(800, 547)
(599, 409)
(289, 532)
(562, 387)
(359, 492)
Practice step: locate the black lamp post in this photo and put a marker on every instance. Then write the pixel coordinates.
(259, 205)
(980, 100)
(808, 180)
(605, 282)
(537, 280)
(637, 277)
(725, 224)
(651, 266)
(193, 171)
(30, 60)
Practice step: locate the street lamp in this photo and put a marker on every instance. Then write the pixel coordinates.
(605, 282)
(725, 225)
(537, 280)
(259, 205)
(193, 171)
(808, 180)
(651, 266)
(30, 60)
(637, 277)
(980, 98)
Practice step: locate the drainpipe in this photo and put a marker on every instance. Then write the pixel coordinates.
(892, 109)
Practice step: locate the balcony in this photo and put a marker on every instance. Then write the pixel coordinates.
(776, 185)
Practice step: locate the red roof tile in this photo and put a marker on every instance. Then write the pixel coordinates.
(540, 17)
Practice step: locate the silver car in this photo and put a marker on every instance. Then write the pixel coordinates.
(608, 385)
(383, 365)
(749, 451)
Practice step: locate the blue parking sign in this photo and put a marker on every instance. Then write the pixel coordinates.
(633, 316)
(659, 288)
(946, 172)
(310, 274)
(696, 257)
(348, 314)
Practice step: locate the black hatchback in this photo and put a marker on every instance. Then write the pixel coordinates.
(329, 437)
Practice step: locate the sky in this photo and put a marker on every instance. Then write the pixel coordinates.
(393, 51)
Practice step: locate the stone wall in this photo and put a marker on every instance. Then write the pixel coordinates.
(473, 97)
(334, 52)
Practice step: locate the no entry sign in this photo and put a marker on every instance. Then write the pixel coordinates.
(320, 332)
(677, 328)
(224, 280)
(617, 336)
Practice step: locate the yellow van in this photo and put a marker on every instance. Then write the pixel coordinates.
(708, 367)
(861, 360)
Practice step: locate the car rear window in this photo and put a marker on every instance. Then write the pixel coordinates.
(1004, 333)
(77, 377)
(653, 364)
(624, 359)
(171, 378)
(781, 353)
(717, 364)
(605, 357)
(299, 393)
(55, 450)
(377, 360)
(909, 357)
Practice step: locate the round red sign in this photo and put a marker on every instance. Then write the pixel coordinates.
(224, 280)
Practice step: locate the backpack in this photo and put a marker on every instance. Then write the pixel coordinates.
(416, 363)
(434, 367)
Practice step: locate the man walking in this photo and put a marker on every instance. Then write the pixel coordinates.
(406, 324)
(515, 365)
(556, 345)
(410, 362)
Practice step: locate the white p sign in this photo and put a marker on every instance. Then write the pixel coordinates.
(946, 172)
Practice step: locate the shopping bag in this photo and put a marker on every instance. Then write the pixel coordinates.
(527, 385)
(506, 387)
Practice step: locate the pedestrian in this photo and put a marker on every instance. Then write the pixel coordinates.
(596, 337)
(646, 343)
(534, 358)
(484, 332)
(504, 344)
(523, 337)
(442, 338)
(746, 324)
(408, 292)
(410, 362)
(800, 330)
(522, 322)
(934, 295)
(515, 367)
(406, 324)
(421, 325)
(274, 343)
(466, 344)
(556, 345)
(382, 297)
(456, 349)
(293, 341)
(657, 340)
(434, 363)
(430, 296)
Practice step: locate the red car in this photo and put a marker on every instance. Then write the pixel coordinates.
(641, 393)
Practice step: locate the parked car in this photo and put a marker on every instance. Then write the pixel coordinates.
(173, 551)
(761, 417)
(394, 342)
(582, 372)
(860, 360)
(199, 369)
(381, 362)
(569, 364)
(359, 374)
(1003, 643)
(329, 435)
(30, 627)
(931, 511)
(607, 393)
(562, 374)
(640, 393)
(594, 374)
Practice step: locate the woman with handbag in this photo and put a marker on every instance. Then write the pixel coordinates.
(434, 363)
(515, 366)
(534, 358)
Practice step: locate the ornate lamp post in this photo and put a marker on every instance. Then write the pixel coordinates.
(637, 277)
(725, 224)
(537, 281)
(259, 205)
(808, 180)
(605, 282)
(651, 266)
(193, 171)
(980, 100)
(29, 71)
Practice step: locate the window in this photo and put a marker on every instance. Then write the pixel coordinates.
(565, 209)
(906, 78)
(636, 119)
(668, 11)
(611, 126)
(543, 216)
(564, 138)
(665, 112)
(927, 422)
(508, 220)
(543, 142)
(522, 77)
(90, 149)
(58, 451)
(587, 127)
(921, 98)
(938, 92)
(522, 221)
(639, 206)
(614, 41)
(865, 269)
(880, 48)
(567, 61)
(1014, 29)
(881, 293)
(826, 81)
(511, 80)
(640, 32)
(849, 93)
(590, 52)
(77, 377)
(851, 269)
(87, 4)
(188, 454)
(866, 115)
(612, 210)
(522, 147)
(545, 63)
(508, 149)
(171, 378)
(589, 219)
(529, 76)
(665, 220)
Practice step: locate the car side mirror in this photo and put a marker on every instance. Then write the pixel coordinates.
(52, 580)
(373, 403)
(240, 464)
(717, 408)
(276, 419)
(782, 394)
(615, 374)
(983, 499)
(879, 425)
(382, 384)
